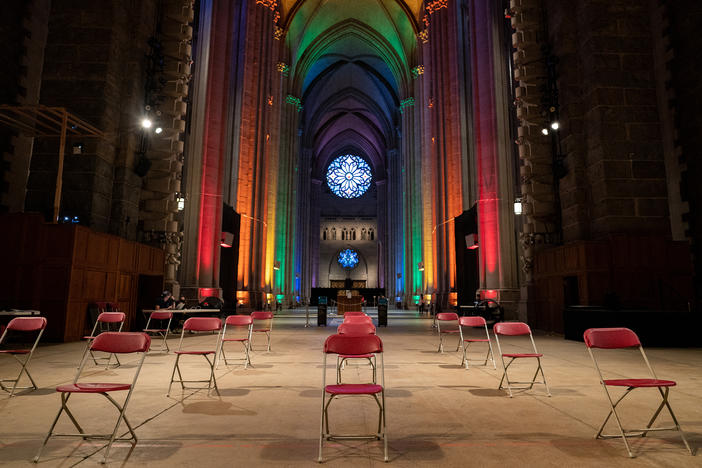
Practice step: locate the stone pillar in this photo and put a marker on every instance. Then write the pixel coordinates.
(31, 28)
(316, 192)
(383, 232)
(162, 183)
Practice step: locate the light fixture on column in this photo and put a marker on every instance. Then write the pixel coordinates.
(544, 131)
(420, 266)
(472, 241)
(276, 265)
(518, 207)
(146, 122)
(227, 239)
(555, 125)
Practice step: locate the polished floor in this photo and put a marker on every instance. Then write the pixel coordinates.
(439, 414)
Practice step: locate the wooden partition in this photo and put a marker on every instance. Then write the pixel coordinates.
(621, 272)
(60, 269)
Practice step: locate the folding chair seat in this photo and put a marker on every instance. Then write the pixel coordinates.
(198, 324)
(448, 317)
(106, 321)
(353, 345)
(265, 327)
(240, 322)
(466, 342)
(518, 329)
(22, 325)
(618, 338)
(354, 329)
(160, 317)
(113, 343)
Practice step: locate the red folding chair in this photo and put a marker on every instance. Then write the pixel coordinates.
(113, 343)
(22, 325)
(618, 338)
(237, 322)
(355, 313)
(358, 319)
(266, 327)
(518, 329)
(106, 321)
(447, 317)
(198, 324)
(161, 317)
(354, 329)
(466, 342)
(353, 345)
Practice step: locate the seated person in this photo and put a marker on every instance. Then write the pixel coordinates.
(180, 304)
(165, 301)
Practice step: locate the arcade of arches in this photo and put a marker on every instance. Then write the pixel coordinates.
(453, 110)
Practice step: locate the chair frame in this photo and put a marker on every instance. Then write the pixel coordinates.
(67, 390)
(475, 322)
(246, 342)
(23, 323)
(324, 434)
(161, 315)
(518, 329)
(444, 317)
(194, 324)
(105, 318)
(629, 339)
(262, 315)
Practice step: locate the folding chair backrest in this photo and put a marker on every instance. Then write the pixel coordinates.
(356, 329)
(262, 315)
(202, 324)
(157, 315)
(610, 338)
(111, 317)
(512, 328)
(447, 316)
(472, 321)
(27, 324)
(352, 313)
(358, 319)
(123, 343)
(239, 320)
(346, 344)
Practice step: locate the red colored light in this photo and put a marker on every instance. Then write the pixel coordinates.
(473, 247)
(489, 294)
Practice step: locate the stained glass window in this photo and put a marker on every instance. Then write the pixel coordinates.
(348, 258)
(349, 176)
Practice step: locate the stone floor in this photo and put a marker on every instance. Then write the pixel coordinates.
(438, 413)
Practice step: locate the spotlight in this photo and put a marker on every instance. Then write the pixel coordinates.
(181, 203)
(77, 148)
(158, 130)
(544, 131)
(146, 123)
(555, 125)
(518, 208)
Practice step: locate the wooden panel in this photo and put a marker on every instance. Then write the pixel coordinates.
(144, 258)
(95, 282)
(127, 255)
(111, 284)
(97, 249)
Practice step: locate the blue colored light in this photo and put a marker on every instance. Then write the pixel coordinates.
(348, 258)
(349, 176)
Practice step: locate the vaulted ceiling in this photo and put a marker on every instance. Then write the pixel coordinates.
(350, 63)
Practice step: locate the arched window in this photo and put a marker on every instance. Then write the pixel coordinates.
(371, 234)
(325, 234)
(353, 233)
(333, 234)
(363, 234)
(344, 234)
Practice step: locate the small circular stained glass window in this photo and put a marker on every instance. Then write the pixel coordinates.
(348, 258)
(349, 176)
